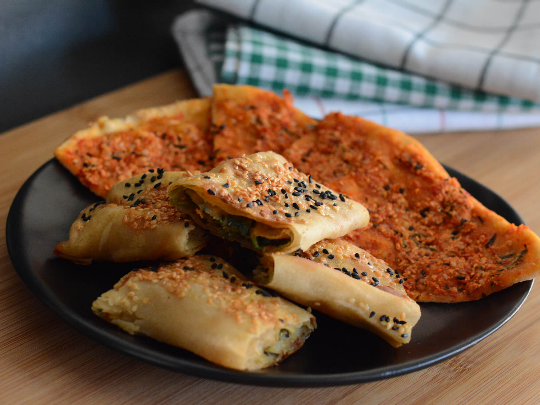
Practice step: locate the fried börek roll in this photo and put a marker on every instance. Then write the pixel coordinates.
(346, 283)
(136, 223)
(265, 204)
(204, 305)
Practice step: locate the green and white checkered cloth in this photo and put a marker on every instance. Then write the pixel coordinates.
(217, 48)
(263, 59)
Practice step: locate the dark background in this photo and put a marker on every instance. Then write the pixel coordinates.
(57, 53)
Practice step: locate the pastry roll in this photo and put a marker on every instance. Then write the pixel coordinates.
(136, 223)
(346, 283)
(204, 305)
(264, 203)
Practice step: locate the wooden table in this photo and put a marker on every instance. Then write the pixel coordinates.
(44, 361)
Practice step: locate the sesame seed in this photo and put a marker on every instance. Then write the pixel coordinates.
(315, 254)
(128, 184)
(382, 318)
(288, 215)
(287, 205)
(310, 178)
(308, 210)
(325, 251)
(389, 271)
(313, 207)
(296, 193)
(211, 192)
(357, 255)
(157, 185)
(330, 256)
(364, 274)
(395, 327)
(225, 275)
(153, 179)
(295, 205)
(372, 314)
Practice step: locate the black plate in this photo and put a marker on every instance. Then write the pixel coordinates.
(51, 199)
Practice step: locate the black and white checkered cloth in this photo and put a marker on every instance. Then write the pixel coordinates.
(488, 45)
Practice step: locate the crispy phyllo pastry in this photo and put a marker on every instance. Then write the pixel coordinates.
(246, 119)
(346, 283)
(265, 204)
(172, 137)
(204, 305)
(444, 243)
(136, 223)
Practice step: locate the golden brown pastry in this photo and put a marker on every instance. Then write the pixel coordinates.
(136, 223)
(265, 204)
(204, 305)
(346, 283)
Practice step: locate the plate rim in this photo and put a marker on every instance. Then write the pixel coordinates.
(210, 370)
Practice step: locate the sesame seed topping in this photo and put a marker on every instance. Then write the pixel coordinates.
(128, 184)
(211, 192)
(372, 314)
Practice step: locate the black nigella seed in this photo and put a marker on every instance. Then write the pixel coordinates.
(315, 254)
(372, 314)
(225, 275)
(313, 206)
(404, 335)
(152, 179)
(131, 197)
(233, 279)
(160, 176)
(364, 274)
(151, 170)
(288, 215)
(128, 184)
(220, 266)
(375, 279)
(248, 286)
(308, 197)
(212, 259)
(257, 182)
(387, 319)
(460, 277)
(318, 185)
(240, 200)
(310, 178)
(357, 255)
(140, 191)
(157, 185)
(395, 327)
(249, 205)
(382, 318)
(330, 256)
(356, 276)
(207, 177)
(389, 271)
(214, 265)
(316, 191)
(289, 182)
(296, 193)
(283, 191)
(395, 320)
(160, 171)
(143, 176)
(211, 192)
(287, 205)
(296, 214)
(295, 205)
(318, 203)
(342, 197)
(401, 190)
(400, 281)
(387, 187)
(258, 202)
(226, 185)
(308, 210)
(296, 180)
(186, 224)
(345, 271)
(143, 201)
(325, 251)
(275, 212)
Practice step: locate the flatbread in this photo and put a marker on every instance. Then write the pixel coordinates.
(136, 223)
(446, 245)
(172, 137)
(204, 305)
(246, 120)
(266, 204)
(347, 283)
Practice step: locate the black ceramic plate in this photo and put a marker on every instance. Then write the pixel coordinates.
(51, 199)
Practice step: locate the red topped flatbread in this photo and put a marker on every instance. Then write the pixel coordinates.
(248, 120)
(445, 243)
(173, 137)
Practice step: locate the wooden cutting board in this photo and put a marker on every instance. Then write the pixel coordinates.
(44, 361)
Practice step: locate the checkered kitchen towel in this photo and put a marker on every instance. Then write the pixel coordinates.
(217, 49)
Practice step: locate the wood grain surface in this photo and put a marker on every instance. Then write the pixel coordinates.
(44, 361)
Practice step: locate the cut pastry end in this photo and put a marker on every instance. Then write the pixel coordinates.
(265, 204)
(346, 283)
(204, 305)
